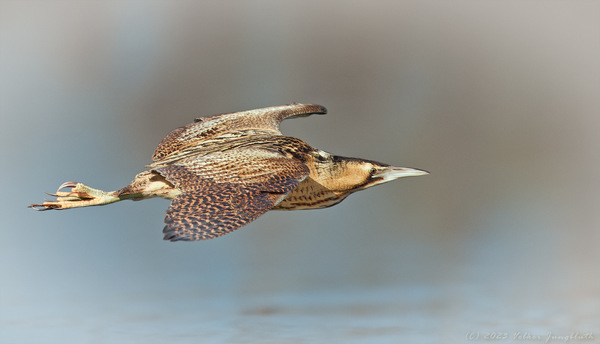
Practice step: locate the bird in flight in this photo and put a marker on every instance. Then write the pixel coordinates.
(223, 171)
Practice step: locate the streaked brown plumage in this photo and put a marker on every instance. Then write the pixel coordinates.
(224, 171)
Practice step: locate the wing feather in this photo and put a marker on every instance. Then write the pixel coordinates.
(221, 194)
(230, 125)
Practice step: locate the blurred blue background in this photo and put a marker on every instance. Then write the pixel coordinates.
(500, 100)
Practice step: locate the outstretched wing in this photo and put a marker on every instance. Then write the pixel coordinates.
(218, 210)
(220, 194)
(265, 121)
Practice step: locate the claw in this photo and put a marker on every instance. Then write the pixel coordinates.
(66, 185)
(42, 207)
(58, 193)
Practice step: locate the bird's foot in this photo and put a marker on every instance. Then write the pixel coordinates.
(80, 195)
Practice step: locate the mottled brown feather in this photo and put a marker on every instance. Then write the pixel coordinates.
(222, 193)
(229, 126)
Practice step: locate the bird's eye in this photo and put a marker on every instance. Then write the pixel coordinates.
(372, 171)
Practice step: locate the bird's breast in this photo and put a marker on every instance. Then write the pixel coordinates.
(309, 194)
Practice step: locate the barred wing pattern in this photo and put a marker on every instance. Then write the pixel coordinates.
(220, 194)
(227, 126)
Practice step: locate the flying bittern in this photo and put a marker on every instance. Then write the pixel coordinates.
(224, 171)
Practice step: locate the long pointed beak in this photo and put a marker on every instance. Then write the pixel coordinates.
(392, 172)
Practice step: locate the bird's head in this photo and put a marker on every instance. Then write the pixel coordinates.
(358, 174)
